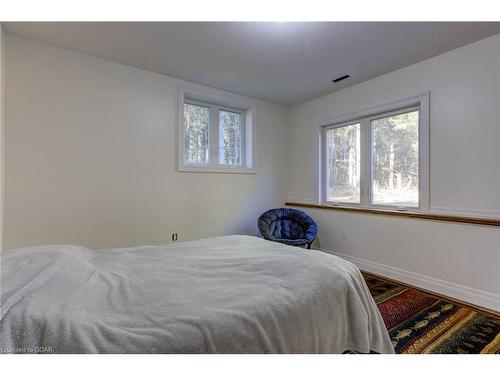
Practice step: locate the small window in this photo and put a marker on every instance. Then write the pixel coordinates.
(196, 135)
(379, 158)
(230, 138)
(215, 134)
(343, 163)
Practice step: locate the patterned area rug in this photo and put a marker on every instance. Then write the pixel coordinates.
(419, 322)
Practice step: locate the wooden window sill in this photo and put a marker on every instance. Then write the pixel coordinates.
(407, 214)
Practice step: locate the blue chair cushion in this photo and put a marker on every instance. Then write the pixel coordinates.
(287, 225)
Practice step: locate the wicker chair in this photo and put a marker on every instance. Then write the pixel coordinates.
(288, 226)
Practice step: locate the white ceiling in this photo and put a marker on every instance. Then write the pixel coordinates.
(287, 63)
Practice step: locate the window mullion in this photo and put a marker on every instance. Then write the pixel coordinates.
(365, 179)
(214, 135)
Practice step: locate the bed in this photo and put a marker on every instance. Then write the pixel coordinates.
(231, 294)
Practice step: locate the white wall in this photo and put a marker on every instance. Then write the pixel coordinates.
(91, 157)
(465, 175)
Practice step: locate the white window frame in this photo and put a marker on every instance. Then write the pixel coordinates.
(364, 118)
(216, 100)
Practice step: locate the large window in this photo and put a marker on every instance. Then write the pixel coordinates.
(379, 159)
(215, 134)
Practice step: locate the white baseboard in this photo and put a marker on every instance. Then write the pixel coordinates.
(460, 292)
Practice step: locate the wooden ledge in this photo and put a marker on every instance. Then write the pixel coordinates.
(407, 214)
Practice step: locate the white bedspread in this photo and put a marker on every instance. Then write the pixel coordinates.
(234, 294)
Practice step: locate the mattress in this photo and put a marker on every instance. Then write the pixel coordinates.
(231, 294)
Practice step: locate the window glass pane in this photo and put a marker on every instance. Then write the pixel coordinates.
(343, 164)
(196, 120)
(230, 138)
(395, 160)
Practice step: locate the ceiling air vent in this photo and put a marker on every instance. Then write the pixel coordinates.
(341, 78)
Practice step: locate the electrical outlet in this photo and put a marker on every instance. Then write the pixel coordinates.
(344, 234)
(174, 236)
